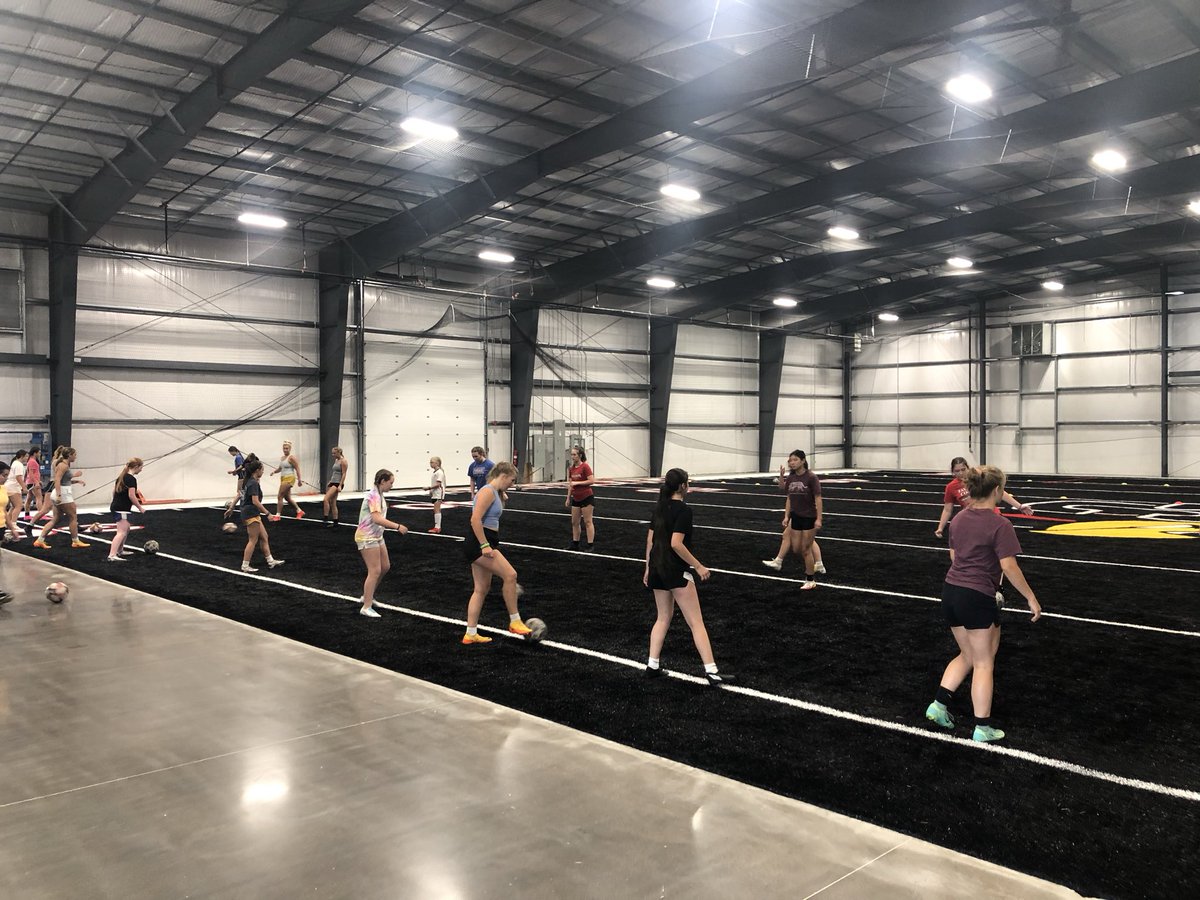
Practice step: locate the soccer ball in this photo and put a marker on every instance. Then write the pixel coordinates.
(56, 592)
(537, 630)
(150, 547)
(95, 528)
(229, 528)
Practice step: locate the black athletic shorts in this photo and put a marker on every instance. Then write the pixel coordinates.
(970, 609)
(681, 579)
(589, 500)
(803, 523)
(471, 544)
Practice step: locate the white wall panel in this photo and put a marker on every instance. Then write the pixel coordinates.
(1002, 449)
(424, 397)
(874, 381)
(875, 458)
(808, 381)
(929, 379)
(594, 409)
(1004, 376)
(1002, 408)
(715, 375)
(931, 448)
(149, 395)
(1142, 369)
(592, 330)
(596, 366)
(1106, 334)
(809, 411)
(711, 451)
(808, 351)
(1185, 451)
(1127, 450)
(26, 391)
(620, 452)
(933, 347)
(934, 410)
(876, 353)
(716, 409)
(877, 411)
(1034, 452)
(1185, 402)
(1037, 412)
(789, 439)
(1185, 326)
(1038, 374)
(700, 340)
(1143, 403)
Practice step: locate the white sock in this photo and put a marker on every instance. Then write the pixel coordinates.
(437, 520)
(270, 559)
(652, 663)
(472, 629)
(711, 668)
(514, 617)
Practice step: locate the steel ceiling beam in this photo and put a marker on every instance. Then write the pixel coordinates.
(104, 195)
(1147, 94)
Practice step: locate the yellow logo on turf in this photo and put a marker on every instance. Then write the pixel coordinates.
(1130, 528)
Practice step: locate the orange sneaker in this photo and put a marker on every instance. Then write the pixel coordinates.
(519, 627)
(41, 545)
(299, 514)
(79, 545)
(435, 531)
(476, 639)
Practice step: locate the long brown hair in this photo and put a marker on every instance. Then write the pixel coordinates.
(133, 463)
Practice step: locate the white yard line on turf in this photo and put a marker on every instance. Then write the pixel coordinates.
(826, 537)
(820, 709)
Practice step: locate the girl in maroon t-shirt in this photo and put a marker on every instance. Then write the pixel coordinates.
(785, 543)
(982, 546)
(580, 499)
(956, 493)
(802, 513)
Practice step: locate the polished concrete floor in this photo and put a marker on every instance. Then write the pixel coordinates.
(150, 750)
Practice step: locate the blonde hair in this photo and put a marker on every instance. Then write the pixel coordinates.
(436, 461)
(981, 481)
(63, 453)
(133, 463)
(502, 468)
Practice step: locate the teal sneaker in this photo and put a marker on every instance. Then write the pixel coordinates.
(985, 733)
(939, 715)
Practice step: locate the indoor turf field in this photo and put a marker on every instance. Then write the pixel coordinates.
(1097, 785)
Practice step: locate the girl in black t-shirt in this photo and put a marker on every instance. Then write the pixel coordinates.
(669, 566)
(125, 497)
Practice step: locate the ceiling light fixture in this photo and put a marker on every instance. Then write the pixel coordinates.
(425, 129)
(787, 302)
(1174, 293)
(842, 233)
(1052, 285)
(959, 262)
(1194, 207)
(261, 220)
(888, 317)
(680, 192)
(657, 282)
(968, 89)
(1109, 160)
(497, 256)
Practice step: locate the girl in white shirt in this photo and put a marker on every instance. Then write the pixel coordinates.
(15, 488)
(437, 492)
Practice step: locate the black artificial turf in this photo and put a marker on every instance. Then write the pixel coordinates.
(1104, 696)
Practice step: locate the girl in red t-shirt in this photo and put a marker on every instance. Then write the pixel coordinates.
(956, 492)
(580, 499)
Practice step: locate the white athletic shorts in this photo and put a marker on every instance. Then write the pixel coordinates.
(66, 494)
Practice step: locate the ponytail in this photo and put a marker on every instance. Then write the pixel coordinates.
(133, 463)
(672, 482)
(982, 480)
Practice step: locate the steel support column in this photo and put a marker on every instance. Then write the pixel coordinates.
(983, 345)
(663, 338)
(771, 345)
(333, 304)
(847, 408)
(1164, 283)
(523, 333)
(64, 287)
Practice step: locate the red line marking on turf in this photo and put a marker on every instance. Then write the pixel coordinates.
(1035, 518)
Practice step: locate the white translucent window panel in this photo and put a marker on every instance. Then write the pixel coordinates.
(875, 434)
(620, 452)
(876, 458)
(1138, 403)
(146, 284)
(112, 393)
(874, 353)
(1037, 412)
(1185, 328)
(701, 341)
(1035, 452)
(885, 411)
(999, 341)
(874, 381)
(592, 330)
(595, 408)
(804, 411)
(1002, 449)
(789, 439)
(595, 366)
(1109, 450)
(1184, 361)
(711, 451)
(931, 448)
(1115, 371)
(350, 408)
(1003, 376)
(498, 446)
(178, 467)
(799, 380)
(1000, 407)
(393, 309)
(1184, 451)
(812, 351)
(1106, 334)
(714, 374)
(1037, 374)
(26, 392)
(934, 347)
(1185, 404)
(423, 398)
(714, 409)
(499, 403)
(926, 379)
(117, 336)
(934, 410)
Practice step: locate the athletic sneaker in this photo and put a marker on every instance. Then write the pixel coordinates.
(247, 568)
(808, 586)
(939, 715)
(369, 613)
(274, 518)
(820, 568)
(5, 597)
(775, 564)
(275, 563)
(41, 545)
(299, 514)
(985, 733)
(127, 553)
(519, 627)
(114, 559)
(587, 548)
(78, 545)
(716, 678)
(476, 639)
(655, 673)
(435, 530)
